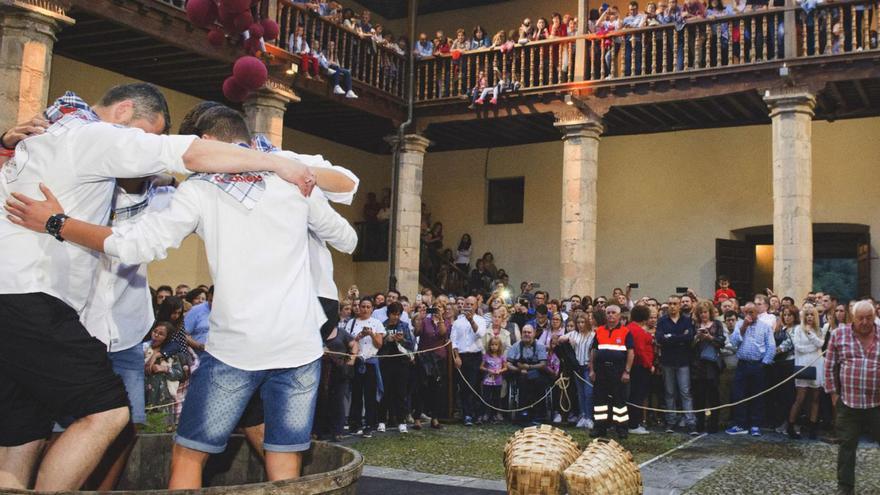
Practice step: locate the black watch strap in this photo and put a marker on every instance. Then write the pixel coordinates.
(54, 225)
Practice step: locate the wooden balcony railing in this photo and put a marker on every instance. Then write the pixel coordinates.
(374, 65)
(740, 40)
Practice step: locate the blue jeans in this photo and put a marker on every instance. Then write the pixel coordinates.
(748, 381)
(129, 365)
(218, 394)
(585, 392)
(628, 54)
(343, 74)
(678, 379)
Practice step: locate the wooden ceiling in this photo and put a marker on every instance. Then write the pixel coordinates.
(397, 9)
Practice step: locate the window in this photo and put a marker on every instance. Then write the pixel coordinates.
(506, 200)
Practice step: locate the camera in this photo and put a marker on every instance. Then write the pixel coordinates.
(633, 285)
(431, 311)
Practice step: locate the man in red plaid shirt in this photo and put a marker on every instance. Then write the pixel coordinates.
(852, 377)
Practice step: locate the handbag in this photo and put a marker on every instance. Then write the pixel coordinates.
(805, 372)
(709, 353)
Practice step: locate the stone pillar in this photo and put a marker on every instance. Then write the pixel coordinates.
(580, 170)
(791, 111)
(408, 211)
(264, 110)
(27, 37)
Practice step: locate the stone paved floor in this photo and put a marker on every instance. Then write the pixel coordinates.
(722, 464)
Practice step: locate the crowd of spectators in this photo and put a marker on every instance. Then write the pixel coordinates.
(392, 357)
(614, 55)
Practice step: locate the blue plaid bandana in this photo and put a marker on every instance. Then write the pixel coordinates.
(247, 188)
(70, 104)
(262, 143)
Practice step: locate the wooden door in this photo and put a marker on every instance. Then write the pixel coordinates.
(736, 260)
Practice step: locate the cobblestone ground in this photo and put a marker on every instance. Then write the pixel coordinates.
(773, 465)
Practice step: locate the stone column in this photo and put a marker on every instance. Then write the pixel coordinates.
(264, 110)
(580, 170)
(791, 111)
(27, 37)
(408, 211)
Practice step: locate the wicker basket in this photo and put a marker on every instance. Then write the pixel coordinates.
(605, 468)
(535, 458)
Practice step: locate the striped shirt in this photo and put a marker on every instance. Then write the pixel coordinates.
(581, 344)
(852, 371)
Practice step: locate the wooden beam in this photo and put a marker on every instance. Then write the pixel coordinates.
(863, 95)
(836, 96)
(673, 119)
(684, 112)
(79, 33)
(743, 111)
(160, 22)
(87, 46)
(698, 106)
(720, 108)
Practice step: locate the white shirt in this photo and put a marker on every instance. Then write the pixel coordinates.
(265, 313)
(319, 256)
(78, 161)
(365, 344)
(463, 337)
(120, 310)
(769, 319)
(381, 314)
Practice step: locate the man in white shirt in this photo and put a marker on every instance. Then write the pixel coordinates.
(762, 302)
(50, 366)
(251, 346)
(369, 332)
(381, 314)
(467, 350)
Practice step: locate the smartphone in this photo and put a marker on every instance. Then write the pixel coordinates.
(681, 290)
(536, 285)
(634, 285)
(432, 310)
(418, 298)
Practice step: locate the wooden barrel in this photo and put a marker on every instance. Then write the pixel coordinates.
(327, 468)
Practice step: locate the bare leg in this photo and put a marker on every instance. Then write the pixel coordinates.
(283, 465)
(796, 407)
(186, 468)
(109, 470)
(255, 436)
(78, 450)
(814, 405)
(17, 464)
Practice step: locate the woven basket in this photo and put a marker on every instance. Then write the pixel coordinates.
(535, 458)
(605, 468)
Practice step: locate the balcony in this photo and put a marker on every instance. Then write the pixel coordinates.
(700, 74)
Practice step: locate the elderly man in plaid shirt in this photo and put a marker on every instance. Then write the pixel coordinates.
(852, 377)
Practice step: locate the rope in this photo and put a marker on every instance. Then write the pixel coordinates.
(152, 408)
(708, 410)
(345, 354)
(490, 406)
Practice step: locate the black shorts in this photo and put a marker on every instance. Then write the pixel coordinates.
(50, 367)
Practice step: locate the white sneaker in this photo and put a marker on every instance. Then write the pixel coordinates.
(359, 432)
(381, 428)
(402, 428)
(588, 423)
(351, 94)
(581, 422)
(557, 419)
(425, 417)
(337, 90)
(330, 72)
(638, 431)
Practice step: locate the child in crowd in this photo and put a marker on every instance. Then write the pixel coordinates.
(340, 78)
(724, 291)
(163, 374)
(308, 62)
(494, 365)
(552, 370)
(505, 84)
(477, 91)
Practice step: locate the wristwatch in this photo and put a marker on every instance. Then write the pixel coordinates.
(54, 225)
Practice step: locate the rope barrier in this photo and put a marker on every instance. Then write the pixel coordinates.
(563, 382)
(708, 410)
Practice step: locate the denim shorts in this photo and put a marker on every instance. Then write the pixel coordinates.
(129, 365)
(218, 394)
